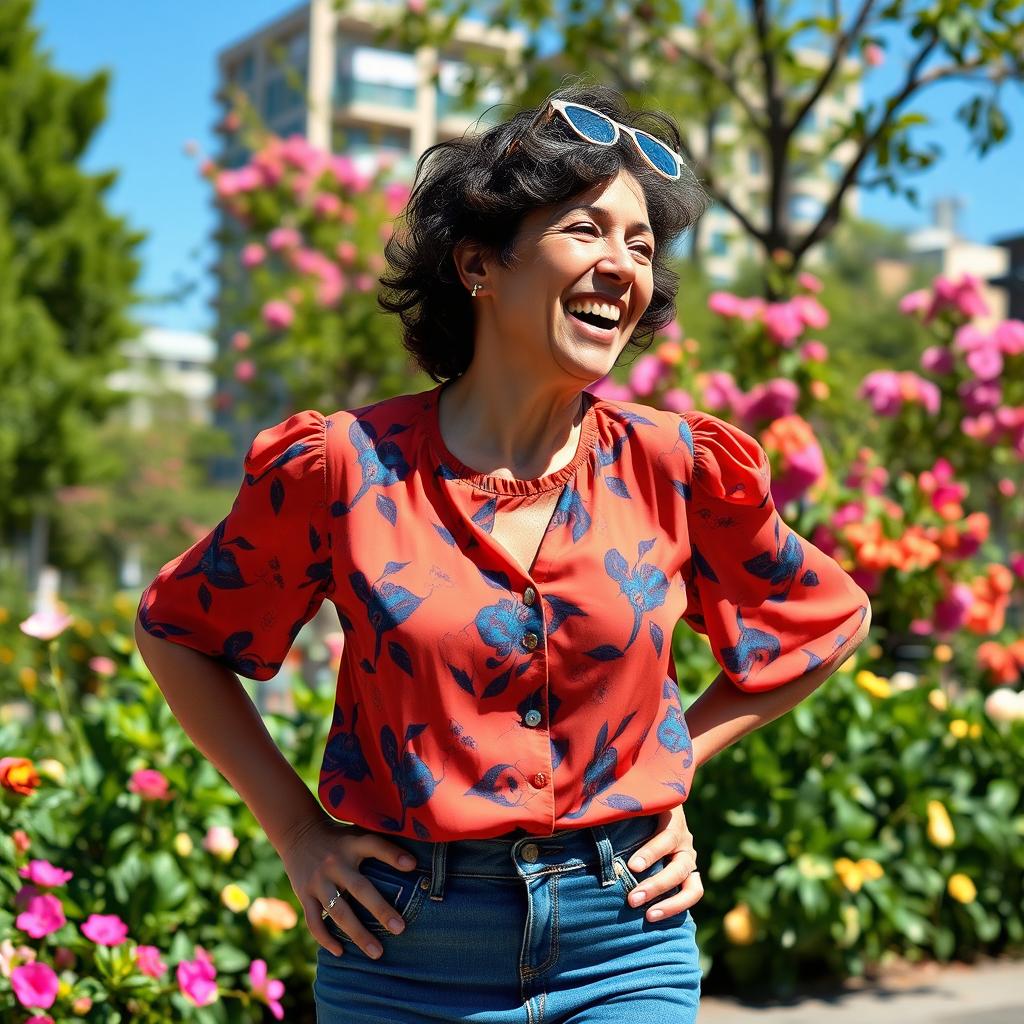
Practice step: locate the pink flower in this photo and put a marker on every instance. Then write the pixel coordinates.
(240, 341)
(102, 665)
(721, 392)
(346, 252)
(416, 6)
(802, 469)
(1017, 565)
(646, 373)
(810, 311)
(269, 990)
(253, 255)
(43, 1018)
(937, 359)
(43, 916)
(809, 282)
(245, 370)
(1009, 336)
(150, 784)
(81, 1006)
(326, 205)
(105, 929)
(197, 979)
(363, 282)
(46, 624)
(750, 309)
(915, 302)
(22, 842)
(724, 304)
(979, 396)
(220, 841)
(35, 985)
(874, 55)
(147, 958)
(951, 612)
(814, 351)
(278, 314)
(42, 872)
(283, 238)
(985, 363)
(769, 400)
(396, 195)
(784, 322)
(677, 400)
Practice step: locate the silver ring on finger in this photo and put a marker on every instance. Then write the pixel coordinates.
(325, 913)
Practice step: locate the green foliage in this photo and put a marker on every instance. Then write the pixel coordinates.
(67, 270)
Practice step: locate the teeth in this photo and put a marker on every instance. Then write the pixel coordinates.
(600, 308)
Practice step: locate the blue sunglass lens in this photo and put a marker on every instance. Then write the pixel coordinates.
(659, 154)
(594, 126)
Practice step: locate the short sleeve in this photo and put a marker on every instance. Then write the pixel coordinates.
(772, 604)
(242, 593)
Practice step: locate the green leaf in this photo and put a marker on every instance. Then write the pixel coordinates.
(767, 850)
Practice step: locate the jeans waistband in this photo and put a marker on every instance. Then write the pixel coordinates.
(514, 858)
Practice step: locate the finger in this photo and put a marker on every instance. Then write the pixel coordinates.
(345, 918)
(664, 844)
(690, 894)
(371, 897)
(672, 874)
(312, 908)
(383, 850)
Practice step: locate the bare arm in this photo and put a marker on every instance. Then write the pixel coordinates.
(723, 713)
(220, 718)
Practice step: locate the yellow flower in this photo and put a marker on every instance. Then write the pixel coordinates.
(51, 768)
(875, 685)
(975, 730)
(272, 914)
(943, 653)
(849, 874)
(234, 897)
(940, 828)
(63, 988)
(107, 626)
(182, 844)
(739, 925)
(4, 615)
(6, 655)
(870, 869)
(29, 678)
(961, 888)
(811, 866)
(851, 925)
(84, 628)
(959, 727)
(938, 699)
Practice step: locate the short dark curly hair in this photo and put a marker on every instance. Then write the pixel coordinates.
(474, 189)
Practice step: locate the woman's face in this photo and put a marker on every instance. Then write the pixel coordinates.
(567, 251)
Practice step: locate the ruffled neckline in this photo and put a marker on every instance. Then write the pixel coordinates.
(457, 469)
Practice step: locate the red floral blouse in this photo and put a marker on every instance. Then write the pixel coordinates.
(473, 699)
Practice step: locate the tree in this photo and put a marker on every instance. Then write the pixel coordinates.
(774, 64)
(67, 270)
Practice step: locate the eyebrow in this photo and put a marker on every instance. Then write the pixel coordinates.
(601, 212)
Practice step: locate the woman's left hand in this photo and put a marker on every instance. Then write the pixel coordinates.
(674, 840)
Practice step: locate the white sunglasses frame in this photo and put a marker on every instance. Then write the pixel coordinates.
(560, 105)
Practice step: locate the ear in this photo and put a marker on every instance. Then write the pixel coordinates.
(470, 263)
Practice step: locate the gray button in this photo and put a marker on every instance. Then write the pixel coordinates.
(532, 717)
(530, 640)
(530, 852)
(529, 595)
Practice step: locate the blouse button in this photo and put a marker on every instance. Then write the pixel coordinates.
(540, 779)
(530, 640)
(532, 717)
(529, 595)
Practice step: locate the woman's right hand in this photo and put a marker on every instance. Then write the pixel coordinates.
(323, 858)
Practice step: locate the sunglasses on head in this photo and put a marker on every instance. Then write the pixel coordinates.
(592, 125)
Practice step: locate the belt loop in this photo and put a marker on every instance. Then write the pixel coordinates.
(605, 852)
(437, 870)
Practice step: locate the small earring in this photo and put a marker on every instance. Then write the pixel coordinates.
(473, 293)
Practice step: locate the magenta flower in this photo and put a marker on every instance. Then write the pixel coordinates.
(326, 205)
(42, 872)
(646, 373)
(814, 351)
(253, 255)
(396, 195)
(962, 296)
(1009, 336)
(268, 990)
(43, 916)
(985, 363)
(672, 331)
(150, 784)
(677, 400)
(610, 389)
(1017, 565)
(979, 396)
(809, 282)
(783, 322)
(937, 359)
(915, 302)
(811, 311)
(105, 929)
(951, 611)
(769, 400)
(35, 985)
(241, 340)
(283, 238)
(46, 624)
(724, 304)
(197, 979)
(147, 959)
(278, 314)
(102, 665)
(346, 252)
(40, 1019)
(245, 370)
(721, 392)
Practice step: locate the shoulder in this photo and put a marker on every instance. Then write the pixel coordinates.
(728, 463)
(386, 417)
(297, 440)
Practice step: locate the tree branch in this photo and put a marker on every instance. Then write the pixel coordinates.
(727, 78)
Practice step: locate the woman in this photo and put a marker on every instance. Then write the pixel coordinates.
(508, 556)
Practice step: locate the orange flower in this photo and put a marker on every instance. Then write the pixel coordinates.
(18, 774)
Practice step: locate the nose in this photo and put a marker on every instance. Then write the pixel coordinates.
(617, 261)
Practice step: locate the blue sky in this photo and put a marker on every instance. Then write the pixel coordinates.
(163, 59)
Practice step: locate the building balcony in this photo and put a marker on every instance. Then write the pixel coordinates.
(351, 90)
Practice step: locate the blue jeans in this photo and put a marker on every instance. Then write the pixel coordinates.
(530, 930)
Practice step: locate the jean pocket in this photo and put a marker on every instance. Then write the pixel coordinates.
(630, 879)
(404, 890)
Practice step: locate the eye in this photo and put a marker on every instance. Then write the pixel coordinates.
(645, 248)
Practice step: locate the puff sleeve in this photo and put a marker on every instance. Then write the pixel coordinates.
(242, 593)
(772, 604)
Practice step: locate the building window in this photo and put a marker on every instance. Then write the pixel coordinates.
(366, 74)
(718, 244)
(450, 88)
(804, 207)
(755, 163)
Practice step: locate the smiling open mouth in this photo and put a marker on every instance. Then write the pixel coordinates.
(595, 321)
